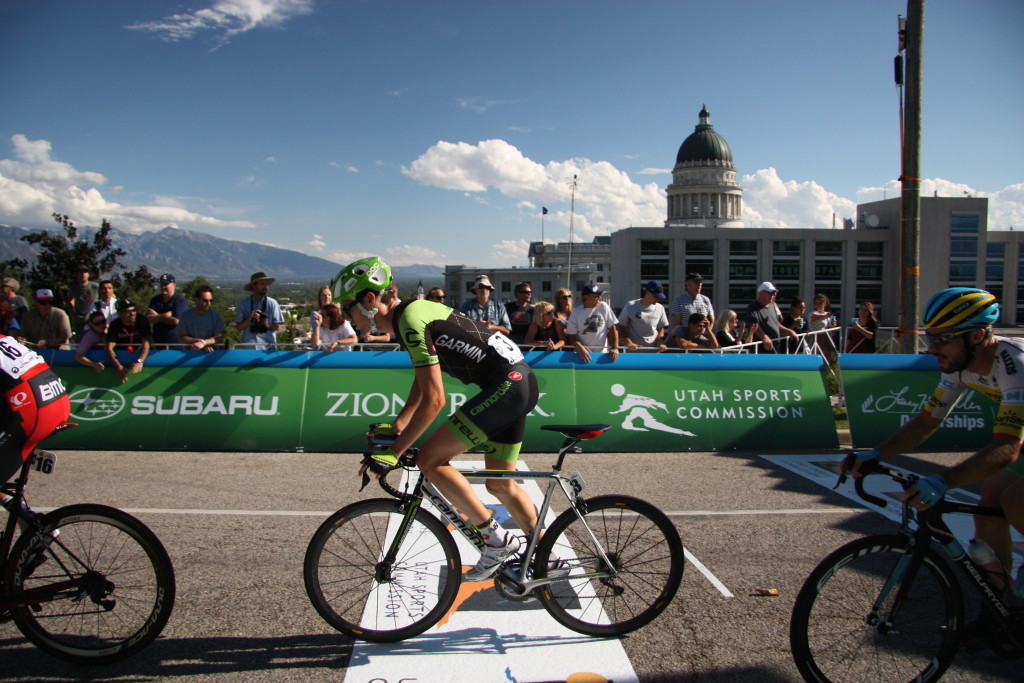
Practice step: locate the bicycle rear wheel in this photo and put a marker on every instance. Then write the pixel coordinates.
(838, 634)
(106, 585)
(355, 593)
(639, 541)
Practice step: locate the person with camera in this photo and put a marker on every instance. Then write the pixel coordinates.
(259, 317)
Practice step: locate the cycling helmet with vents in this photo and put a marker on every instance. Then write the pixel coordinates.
(366, 273)
(961, 308)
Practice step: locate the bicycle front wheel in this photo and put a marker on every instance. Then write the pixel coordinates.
(104, 585)
(355, 592)
(842, 627)
(621, 582)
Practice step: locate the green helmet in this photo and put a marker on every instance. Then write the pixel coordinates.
(366, 273)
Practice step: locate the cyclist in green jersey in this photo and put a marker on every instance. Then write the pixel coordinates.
(438, 341)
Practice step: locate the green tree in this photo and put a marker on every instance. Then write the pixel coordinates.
(61, 253)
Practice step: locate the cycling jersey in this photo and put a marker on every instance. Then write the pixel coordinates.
(1004, 384)
(34, 403)
(466, 349)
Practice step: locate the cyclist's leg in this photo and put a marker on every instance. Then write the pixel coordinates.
(508, 491)
(996, 530)
(434, 460)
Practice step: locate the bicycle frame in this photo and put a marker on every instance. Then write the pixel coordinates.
(570, 486)
(930, 524)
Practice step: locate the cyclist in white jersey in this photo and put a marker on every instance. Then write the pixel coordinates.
(958, 326)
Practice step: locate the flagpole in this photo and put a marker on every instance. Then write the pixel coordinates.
(572, 216)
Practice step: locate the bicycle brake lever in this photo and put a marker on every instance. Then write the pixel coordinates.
(847, 463)
(366, 479)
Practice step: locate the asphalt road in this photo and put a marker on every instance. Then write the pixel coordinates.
(236, 526)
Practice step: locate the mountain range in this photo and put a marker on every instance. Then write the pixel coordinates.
(189, 254)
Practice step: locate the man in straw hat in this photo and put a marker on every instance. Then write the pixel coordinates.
(259, 317)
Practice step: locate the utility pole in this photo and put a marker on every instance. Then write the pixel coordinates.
(911, 38)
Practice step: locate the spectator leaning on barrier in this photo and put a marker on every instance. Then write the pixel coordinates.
(165, 310)
(484, 309)
(201, 327)
(696, 334)
(563, 306)
(593, 326)
(520, 312)
(95, 337)
(728, 330)
(691, 301)
(83, 295)
(259, 316)
(545, 332)
(130, 333)
(332, 332)
(9, 289)
(45, 326)
(642, 321)
(763, 319)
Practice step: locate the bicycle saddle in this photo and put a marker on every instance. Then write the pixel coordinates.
(591, 431)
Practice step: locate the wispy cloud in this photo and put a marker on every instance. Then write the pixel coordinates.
(225, 19)
(33, 186)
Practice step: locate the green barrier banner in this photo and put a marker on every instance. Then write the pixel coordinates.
(883, 392)
(286, 401)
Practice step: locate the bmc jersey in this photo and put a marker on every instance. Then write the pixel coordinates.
(467, 350)
(1004, 384)
(15, 362)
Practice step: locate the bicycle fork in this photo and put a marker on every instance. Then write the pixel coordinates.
(901, 578)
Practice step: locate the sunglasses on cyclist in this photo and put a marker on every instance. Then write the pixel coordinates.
(944, 338)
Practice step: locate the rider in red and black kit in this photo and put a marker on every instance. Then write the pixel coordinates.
(35, 403)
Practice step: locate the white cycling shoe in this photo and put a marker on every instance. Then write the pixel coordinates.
(491, 558)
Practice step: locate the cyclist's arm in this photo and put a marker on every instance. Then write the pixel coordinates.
(910, 435)
(995, 456)
(426, 400)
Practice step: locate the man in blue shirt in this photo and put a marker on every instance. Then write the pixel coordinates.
(484, 309)
(259, 317)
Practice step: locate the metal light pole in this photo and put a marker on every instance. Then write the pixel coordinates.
(911, 37)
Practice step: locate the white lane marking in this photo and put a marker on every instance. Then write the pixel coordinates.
(327, 513)
(726, 593)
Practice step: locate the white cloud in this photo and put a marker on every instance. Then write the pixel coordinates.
(33, 186)
(1005, 206)
(606, 199)
(769, 201)
(408, 254)
(226, 18)
(511, 253)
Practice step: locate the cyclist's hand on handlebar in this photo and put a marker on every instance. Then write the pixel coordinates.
(381, 462)
(925, 492)
(863, 460)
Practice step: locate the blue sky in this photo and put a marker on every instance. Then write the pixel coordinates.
(434, 131)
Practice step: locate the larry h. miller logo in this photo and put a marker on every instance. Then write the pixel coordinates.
(97, 403)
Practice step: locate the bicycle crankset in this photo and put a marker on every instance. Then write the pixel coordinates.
(504, 586)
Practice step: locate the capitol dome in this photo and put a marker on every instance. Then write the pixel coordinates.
(704, 146)
(704, 191)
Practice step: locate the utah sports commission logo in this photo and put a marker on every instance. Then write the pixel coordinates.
(97, 403)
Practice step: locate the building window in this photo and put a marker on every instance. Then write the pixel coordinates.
(654, 248)
(704, 247)
(963, 271)
(786, 248)
(545, 286)
(828, 249)
(742, 247)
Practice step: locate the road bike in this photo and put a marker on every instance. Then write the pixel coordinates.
(86, 583)
(889, 607)
(386, 569)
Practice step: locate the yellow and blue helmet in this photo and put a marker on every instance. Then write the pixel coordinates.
(961, 308)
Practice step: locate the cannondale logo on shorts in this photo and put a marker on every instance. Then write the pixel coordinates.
(515, 375)
(97, 403)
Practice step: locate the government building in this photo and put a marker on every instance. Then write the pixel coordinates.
(704, 233)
